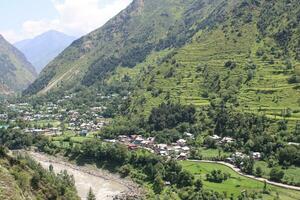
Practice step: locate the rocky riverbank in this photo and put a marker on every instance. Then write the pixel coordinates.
(106, 186)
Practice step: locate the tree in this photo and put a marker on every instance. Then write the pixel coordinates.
(158, 184)
(217, 176)
(198, 185)
(265, 189)
(258, 172)
(276, 174)
(248, 164)
(185, 179)
(91, 195)
(51, 168)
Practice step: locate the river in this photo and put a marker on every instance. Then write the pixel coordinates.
(104, 185)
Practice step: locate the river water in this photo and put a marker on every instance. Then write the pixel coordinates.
(104, 188)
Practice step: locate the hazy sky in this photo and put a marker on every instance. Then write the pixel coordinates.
(22, 19)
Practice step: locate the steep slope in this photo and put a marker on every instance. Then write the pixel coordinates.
(44, 48)
(245, 53)
(250, 59)
(16, 72)
(22, 178)
(125, 40)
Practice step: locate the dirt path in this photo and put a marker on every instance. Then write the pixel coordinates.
(237, 170)
(104, 185)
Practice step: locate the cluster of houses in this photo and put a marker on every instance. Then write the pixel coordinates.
(89, 121)
(178, 150)
(237, 156)
(220, 140)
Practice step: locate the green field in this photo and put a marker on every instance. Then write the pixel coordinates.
(212, 153)
(236, 183)
(63, 140)
(291, 174)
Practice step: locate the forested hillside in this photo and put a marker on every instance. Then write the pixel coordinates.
(244, 53)
(22, 178)
(16, 72)
(126, 40)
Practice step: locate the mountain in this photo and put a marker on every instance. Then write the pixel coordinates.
(245, 53)
(44, 48)
(16, 72)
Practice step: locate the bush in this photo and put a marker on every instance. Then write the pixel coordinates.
(230, 64)
(276, 175)
(294, 79)
(217, 176)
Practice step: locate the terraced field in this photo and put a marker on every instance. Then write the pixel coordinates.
(181, 77)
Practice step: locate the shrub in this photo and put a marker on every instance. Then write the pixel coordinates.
(276, 175)
(230, 64)
(217, 176)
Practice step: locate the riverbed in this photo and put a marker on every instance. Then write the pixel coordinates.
(104, 185)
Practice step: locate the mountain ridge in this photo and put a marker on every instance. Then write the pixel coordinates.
(43, 48)
(197, 52)
(123, 47)
(16, 72)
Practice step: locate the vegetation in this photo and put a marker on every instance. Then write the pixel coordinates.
(208, 68)
(16, 72)
(236, 183)
(27, 179)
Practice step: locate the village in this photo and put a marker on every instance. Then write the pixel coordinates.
(91, 122)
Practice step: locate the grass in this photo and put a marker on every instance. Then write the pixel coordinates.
(268, 89)
(212, 153)
(236, 183)
(291, 174)
(9, 189)
(62, 141)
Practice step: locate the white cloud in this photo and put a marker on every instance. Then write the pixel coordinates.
(75, 17)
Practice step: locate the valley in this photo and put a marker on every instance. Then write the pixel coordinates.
(168, 99)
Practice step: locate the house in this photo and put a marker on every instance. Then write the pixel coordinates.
(163, 153)
(161, 146)
(151, 139)
(215, 137)
(123, 138)
(256, 155)
(185, 149)
(182, 156)
(237, 155)
(138, 140)
(38, 131)
(227, 140)
(189, 135)
(110, 140)
(181, 142)
(83, 132)
(132, 146)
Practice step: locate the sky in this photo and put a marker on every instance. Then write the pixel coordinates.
(24, 19)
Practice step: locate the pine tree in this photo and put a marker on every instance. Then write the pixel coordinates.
(91, 195)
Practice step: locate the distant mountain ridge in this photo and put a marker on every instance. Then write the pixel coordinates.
(44, 48)
(16, 72)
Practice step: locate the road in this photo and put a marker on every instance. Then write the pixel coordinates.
(237, 170)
